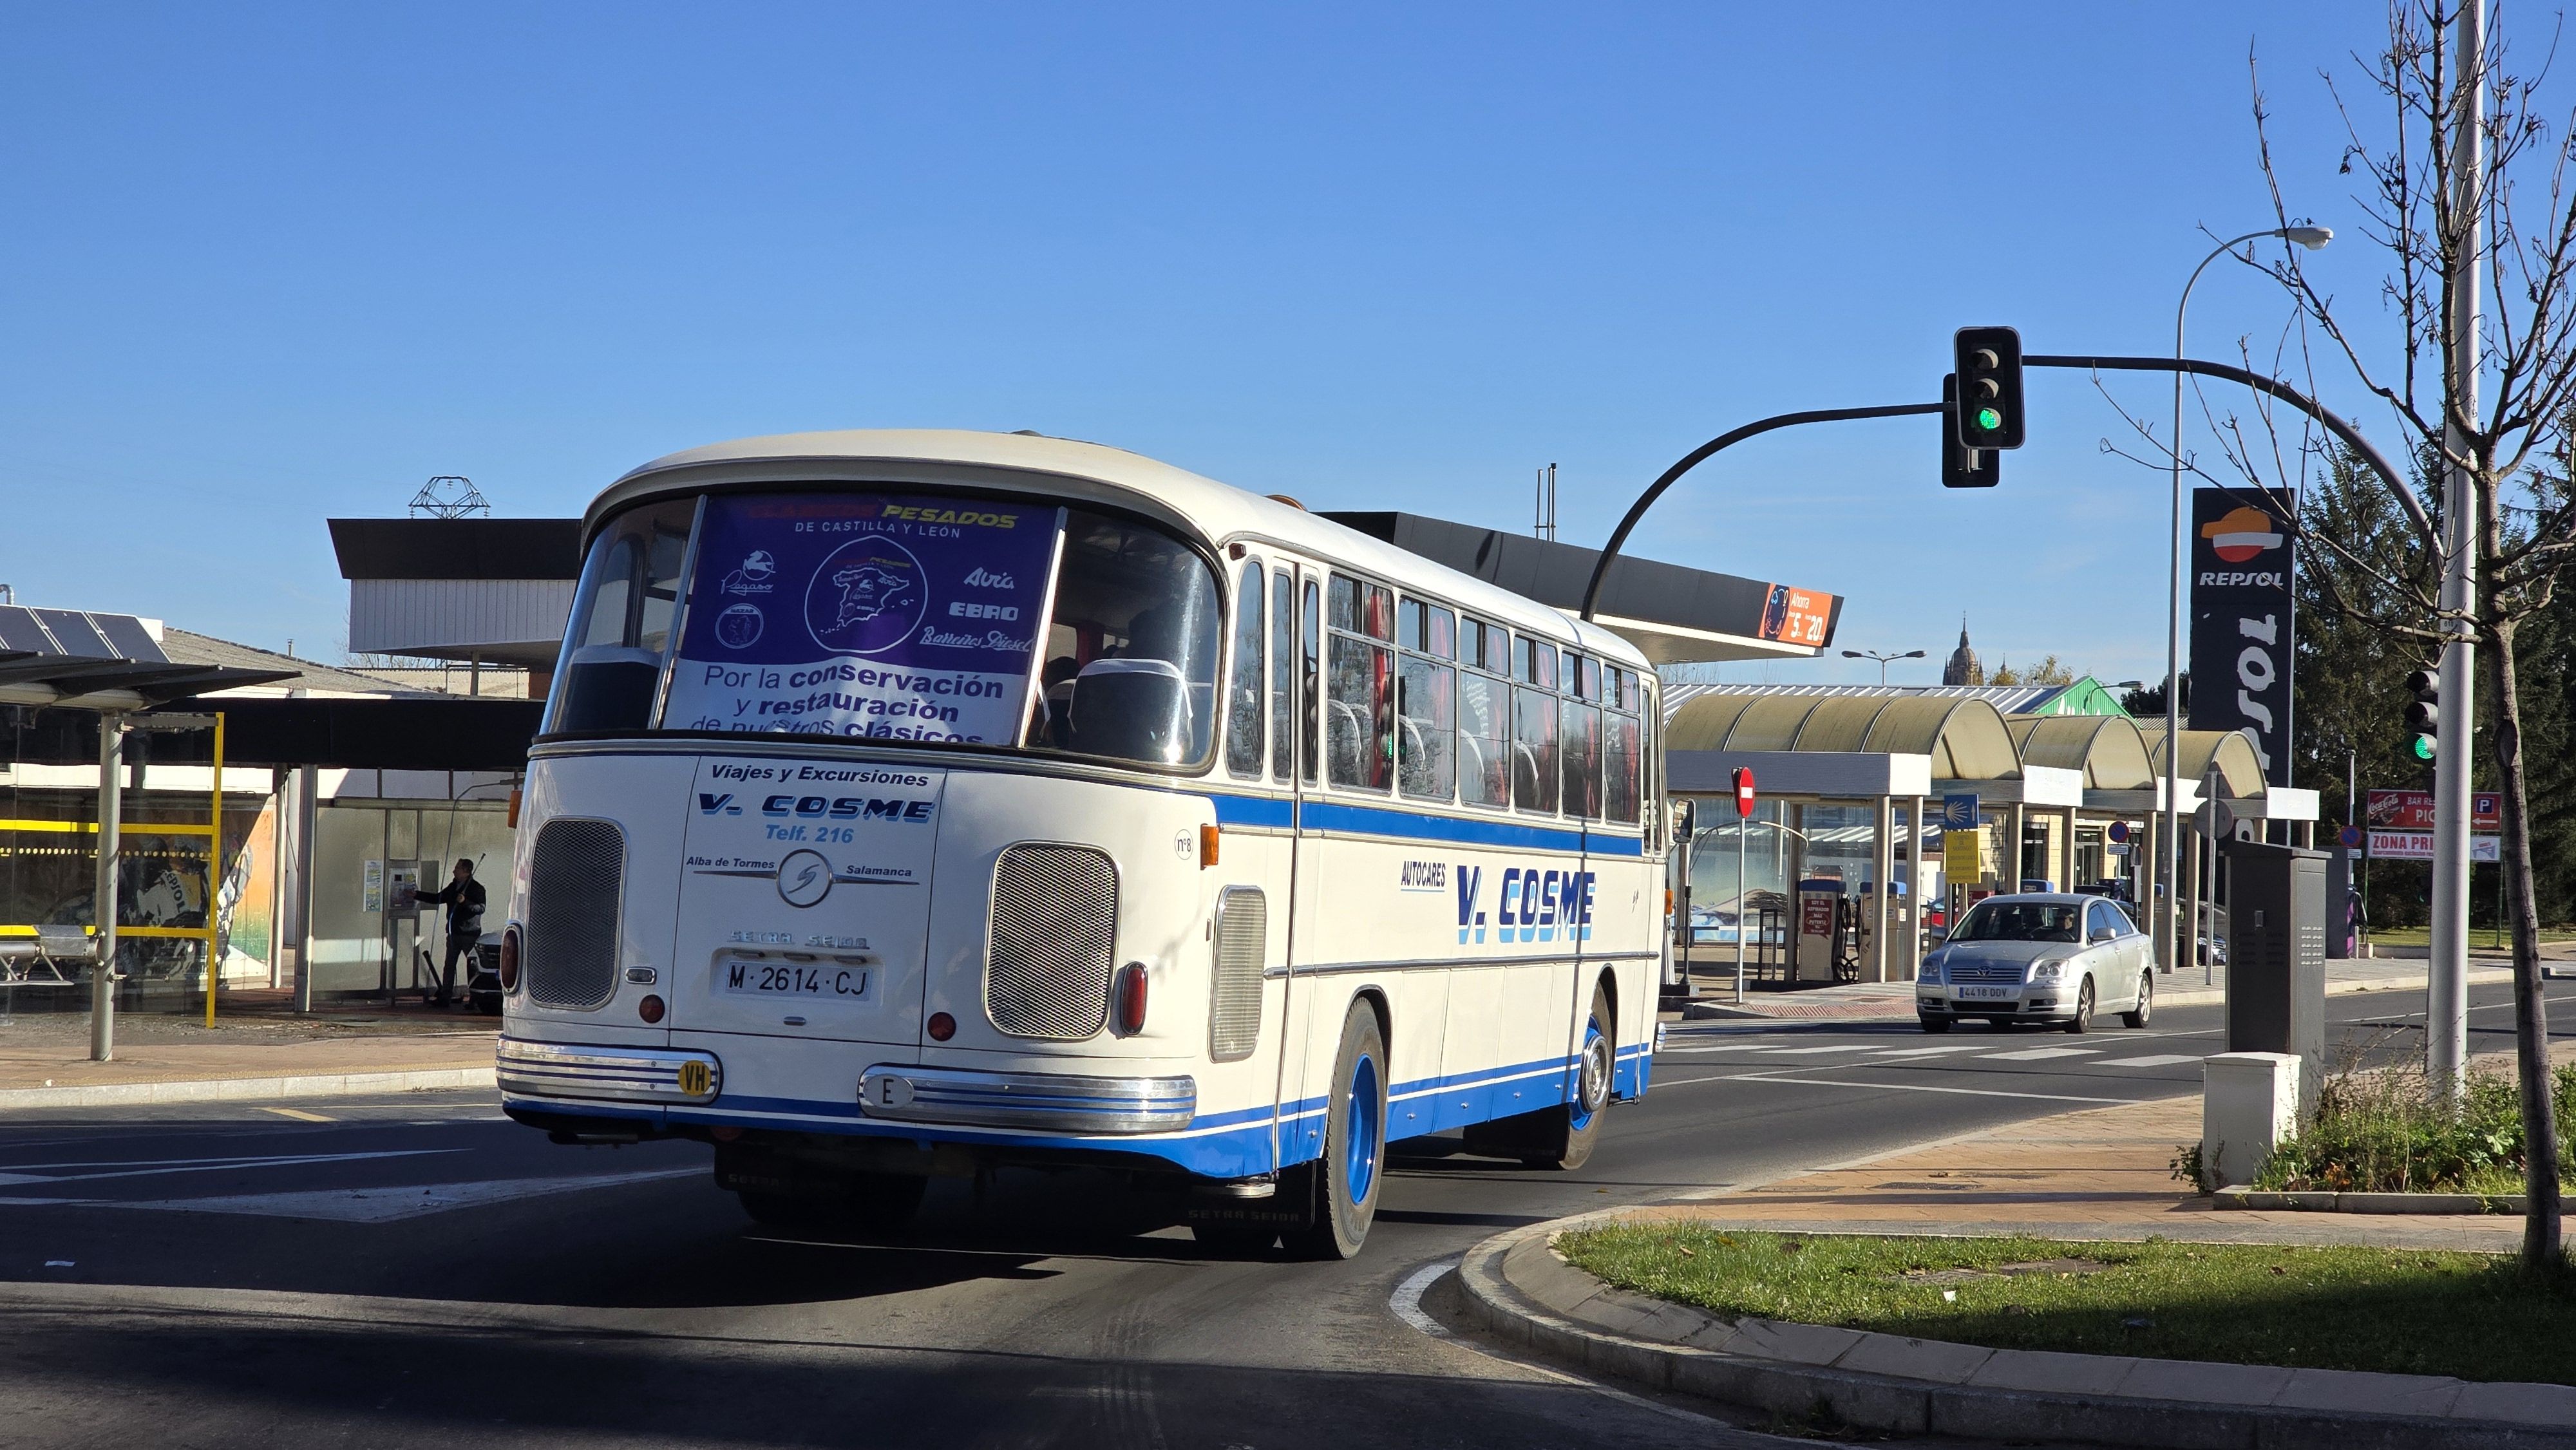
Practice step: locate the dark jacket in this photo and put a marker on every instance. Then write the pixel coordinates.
(464, 903)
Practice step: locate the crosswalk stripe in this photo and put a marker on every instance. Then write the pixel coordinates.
(2153, 1059)
(1834, 1047)
(2034, 1054)
(1928, 1051)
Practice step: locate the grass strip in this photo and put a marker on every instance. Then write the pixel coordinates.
(2475, 1316)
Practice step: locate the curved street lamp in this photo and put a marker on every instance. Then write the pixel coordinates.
(2312, 238)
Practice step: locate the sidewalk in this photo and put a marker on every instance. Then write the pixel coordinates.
(257, 1053)
(1894, 1001)
(2101, 1174)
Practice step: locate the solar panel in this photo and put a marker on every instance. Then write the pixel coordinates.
(75, 634)
(127, 636)
(20, 631)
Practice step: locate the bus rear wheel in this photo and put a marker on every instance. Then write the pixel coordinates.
(1562, 1137)
(1345, 1180)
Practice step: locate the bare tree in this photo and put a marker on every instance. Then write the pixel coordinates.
(2493, 426)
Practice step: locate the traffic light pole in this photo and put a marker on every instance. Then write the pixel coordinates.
(2343, 432)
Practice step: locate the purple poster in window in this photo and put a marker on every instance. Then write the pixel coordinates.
(881, 617)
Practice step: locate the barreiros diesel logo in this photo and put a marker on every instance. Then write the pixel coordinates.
(804, 878)
(2238, 537)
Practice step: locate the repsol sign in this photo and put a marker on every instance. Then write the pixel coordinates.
(2242, 641)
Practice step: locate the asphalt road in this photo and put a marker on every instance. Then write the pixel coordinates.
(418, 1271)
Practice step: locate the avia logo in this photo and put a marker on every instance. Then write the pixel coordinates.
(2242, 534)
(717, 805)
(982, 578)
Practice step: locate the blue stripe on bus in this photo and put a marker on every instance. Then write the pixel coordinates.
(1274, 812)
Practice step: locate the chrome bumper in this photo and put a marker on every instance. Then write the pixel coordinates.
(620, 1074)
(1046, 1102)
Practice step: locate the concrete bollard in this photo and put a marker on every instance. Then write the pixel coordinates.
(2249, 1103)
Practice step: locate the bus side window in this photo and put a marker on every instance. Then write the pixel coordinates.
(1579, 746)
(1311, 626)
(1622, 753)
(1243, 737)
(1359, 703)
(1283, 678)
(1534, 766)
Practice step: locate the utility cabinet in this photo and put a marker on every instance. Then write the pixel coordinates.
(2276, 956)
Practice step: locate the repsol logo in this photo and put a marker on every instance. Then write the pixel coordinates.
(1535, 904)
(2228, 579)
(827, 808)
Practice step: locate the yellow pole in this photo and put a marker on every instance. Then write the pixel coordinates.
(215, 877)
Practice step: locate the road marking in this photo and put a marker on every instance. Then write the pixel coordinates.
(2153, 1059)
(381, 1205)
(1922, 1087)
(1835, 1047)
(1406, 1301)
(299, 1115)
(148, 1168)
(1929, 1051)
(2034, 1054)
(1783, 1079)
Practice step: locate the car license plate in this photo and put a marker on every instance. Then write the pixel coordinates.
(1986, 994)
(792, 979)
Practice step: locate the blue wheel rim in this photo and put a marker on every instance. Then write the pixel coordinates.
(1360, 1128)
(1591, 1076)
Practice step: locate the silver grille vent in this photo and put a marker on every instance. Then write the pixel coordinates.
(1234, 995)
(1055, 914)
(576, 879)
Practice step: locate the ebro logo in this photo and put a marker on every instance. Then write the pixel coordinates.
(2238, 537)
(847, 808)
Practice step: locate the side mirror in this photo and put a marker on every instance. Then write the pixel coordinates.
(1685, 820)
(2104, 933)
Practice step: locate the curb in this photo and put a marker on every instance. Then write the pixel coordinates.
(2329, 1201)
(245, 1089)
(1516, 1287)
(2179, 997)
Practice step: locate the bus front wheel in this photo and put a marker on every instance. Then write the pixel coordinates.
(1345, 1180)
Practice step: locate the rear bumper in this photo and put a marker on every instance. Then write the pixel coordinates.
(1029, 1101)
(606, 1074)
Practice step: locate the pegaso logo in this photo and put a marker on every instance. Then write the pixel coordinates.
(804, 878)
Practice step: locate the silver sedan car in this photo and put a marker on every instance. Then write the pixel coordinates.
(2038, 957)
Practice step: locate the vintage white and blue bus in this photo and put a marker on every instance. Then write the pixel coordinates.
(916, 803)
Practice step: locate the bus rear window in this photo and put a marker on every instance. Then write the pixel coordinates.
(894, 617)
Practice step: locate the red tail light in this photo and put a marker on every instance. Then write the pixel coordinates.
(1127, 996)
(941, 1026)
(650, 1009)
(510, 960)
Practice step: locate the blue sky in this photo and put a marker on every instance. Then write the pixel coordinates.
(267, 265)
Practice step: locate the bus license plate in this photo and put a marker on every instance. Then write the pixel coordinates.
(1985, 994)
(793, 979)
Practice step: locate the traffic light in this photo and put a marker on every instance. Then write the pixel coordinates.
(2424, 717)
(1962, 466)
(1987, 412)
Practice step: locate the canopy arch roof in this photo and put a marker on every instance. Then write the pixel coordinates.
(2107, 748)
(2228, 753)
(1965, 738)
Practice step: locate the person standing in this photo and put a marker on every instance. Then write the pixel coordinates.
(463, 898)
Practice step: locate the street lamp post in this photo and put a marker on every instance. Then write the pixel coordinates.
(2171, 847)
(1871, 654)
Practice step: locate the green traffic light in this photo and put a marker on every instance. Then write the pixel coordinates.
(1988, 420)
(2423, 747)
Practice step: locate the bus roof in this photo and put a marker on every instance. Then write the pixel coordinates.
(1219, 512)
